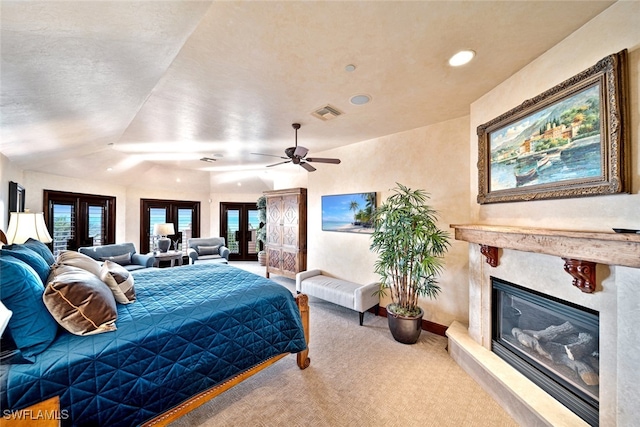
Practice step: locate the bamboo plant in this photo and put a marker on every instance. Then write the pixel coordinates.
(410, 248)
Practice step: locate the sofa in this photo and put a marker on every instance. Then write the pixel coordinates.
(120, 253)
(207, 249)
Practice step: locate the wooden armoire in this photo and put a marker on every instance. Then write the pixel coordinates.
(286, 244)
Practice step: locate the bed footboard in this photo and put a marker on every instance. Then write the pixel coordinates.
(302, 360)
(303, 305)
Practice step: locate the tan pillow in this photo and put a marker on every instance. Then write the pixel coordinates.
(76, 259)
(119, 280)
(80, 302)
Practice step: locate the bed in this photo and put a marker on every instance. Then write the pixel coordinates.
(192, 332)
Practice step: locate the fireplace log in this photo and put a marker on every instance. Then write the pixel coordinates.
(553, 332)
(560, 353)
(586, 372)
(529, 342)
(585, 345)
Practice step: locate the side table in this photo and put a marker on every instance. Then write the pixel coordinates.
(172, 256)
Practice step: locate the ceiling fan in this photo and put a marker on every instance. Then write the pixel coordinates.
(296, 155)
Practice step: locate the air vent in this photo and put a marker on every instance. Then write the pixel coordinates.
(208, 159)
(327, 112)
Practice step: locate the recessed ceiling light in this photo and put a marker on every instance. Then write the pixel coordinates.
(109, 169)
(360, 99)
(349, 68)
(461, 58)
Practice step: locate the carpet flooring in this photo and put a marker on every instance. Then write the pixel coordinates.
(359, 376)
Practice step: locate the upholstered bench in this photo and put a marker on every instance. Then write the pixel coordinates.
(337, 291)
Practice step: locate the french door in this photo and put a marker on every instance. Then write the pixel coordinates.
(184, 215)
(238, 225)
(75, 220)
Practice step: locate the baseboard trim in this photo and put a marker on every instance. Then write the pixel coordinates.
(434, 328)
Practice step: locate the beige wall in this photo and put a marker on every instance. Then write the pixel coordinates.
(8, 172)
(127, 198)
(434, 158)
(615, 29)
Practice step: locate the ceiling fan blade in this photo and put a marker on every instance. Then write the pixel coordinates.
(307, 166)
(323, 160)
(300, 151)
(270, 155)
(281, 163)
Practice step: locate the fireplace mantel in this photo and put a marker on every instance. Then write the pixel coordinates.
(581, 250)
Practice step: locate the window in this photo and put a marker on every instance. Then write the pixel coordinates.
(184, 215)
(75, 220)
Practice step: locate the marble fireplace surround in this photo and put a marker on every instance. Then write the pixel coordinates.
(598, 270)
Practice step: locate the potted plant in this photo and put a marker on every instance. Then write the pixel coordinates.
(261, 233)
(410, 248)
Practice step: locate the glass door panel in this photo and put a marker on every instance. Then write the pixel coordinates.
(238, 224)
(233, 231)
(253, 223)
(156, 216)
(63, 227)
(185, 221)
(96, 225)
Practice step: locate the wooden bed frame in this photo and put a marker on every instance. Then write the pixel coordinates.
(52, 406)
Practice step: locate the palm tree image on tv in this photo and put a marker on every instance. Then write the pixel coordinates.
(348, 212)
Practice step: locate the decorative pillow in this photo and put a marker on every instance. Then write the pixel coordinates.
(80, 302)
(76, 259)
(31, 257)
(31, 326)
(209, 250)
(124, 259)
(119, 280)
(41, 248)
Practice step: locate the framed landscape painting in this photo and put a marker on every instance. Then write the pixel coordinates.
(570, 141)
(349, 213)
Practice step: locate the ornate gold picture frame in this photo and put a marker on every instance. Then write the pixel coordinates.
(570, 141)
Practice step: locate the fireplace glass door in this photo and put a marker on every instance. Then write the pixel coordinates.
(552, 342)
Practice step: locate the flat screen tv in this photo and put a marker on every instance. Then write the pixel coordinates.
(349, 213)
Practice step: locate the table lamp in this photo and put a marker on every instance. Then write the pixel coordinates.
(25, 225)
(163, 230)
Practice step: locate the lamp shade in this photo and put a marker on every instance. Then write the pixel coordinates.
(25, 225)
(163, 229)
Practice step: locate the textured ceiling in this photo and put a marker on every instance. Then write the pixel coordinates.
(133, 85)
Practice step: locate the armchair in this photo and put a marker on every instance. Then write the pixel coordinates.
(121, 253)
(210, 249)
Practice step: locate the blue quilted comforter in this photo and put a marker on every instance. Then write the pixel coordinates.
(190, 328)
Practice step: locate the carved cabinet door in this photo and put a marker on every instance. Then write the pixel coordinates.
(286, 232)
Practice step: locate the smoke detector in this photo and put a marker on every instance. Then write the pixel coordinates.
(327, 112)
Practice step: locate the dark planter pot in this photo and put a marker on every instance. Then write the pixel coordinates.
(405, 329)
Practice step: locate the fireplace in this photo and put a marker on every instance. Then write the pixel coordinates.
(552, 342)
(537, 259)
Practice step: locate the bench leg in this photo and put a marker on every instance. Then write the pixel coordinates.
(361, 317)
